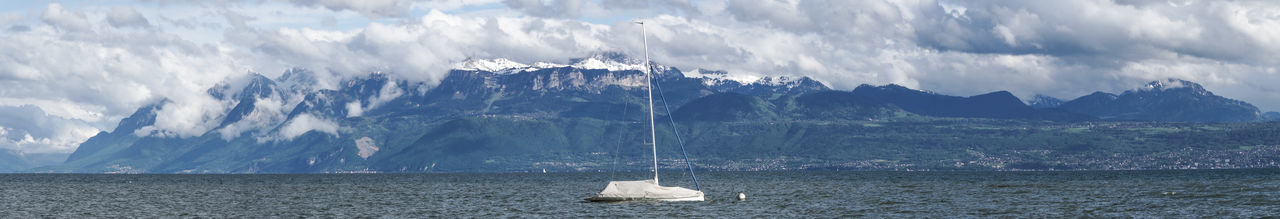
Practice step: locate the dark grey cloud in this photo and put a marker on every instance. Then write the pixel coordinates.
(58, 16)
(121, 16)
(370, 8)
(549, 9)
(588, 8)
(1105, 33)
(18, 28)
(678, 7)
(1062, 48)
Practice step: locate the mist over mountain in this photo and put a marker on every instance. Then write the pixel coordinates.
(12, 160)
(1271, 116)
(501, 115)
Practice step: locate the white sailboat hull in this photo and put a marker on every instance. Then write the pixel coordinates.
(623, 199)
(645, 190)
(689, 199)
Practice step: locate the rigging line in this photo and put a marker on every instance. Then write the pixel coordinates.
(618, 148)
(675, 130)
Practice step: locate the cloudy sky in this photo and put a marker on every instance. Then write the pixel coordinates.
(69, 69)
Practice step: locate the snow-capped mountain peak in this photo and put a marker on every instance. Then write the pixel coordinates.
(711, 78)
(1042, 101)
(490, 65)
(1172, 84)
(607, 62)
(541, 65)
(787, 81)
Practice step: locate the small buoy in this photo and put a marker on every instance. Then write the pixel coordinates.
(742, 196)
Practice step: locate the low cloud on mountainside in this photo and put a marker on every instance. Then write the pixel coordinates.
(82, 65)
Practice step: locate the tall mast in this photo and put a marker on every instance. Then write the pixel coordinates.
(653, 136)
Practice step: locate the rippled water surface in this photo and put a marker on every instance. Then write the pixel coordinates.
(1231, 193)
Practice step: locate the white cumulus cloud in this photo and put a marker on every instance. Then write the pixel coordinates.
(304, 123)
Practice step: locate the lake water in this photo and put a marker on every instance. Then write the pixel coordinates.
(1212, 193)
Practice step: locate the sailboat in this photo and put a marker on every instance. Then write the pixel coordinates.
(647, 190)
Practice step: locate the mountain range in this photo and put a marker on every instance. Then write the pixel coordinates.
(501, 115)
(1167, 100)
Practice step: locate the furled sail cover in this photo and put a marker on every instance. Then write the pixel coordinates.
(645, 190)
